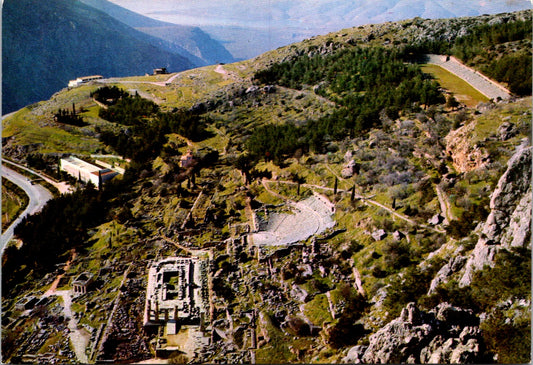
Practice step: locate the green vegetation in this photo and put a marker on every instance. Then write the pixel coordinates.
(64, 116)
(486, 46)
(149, 127)
(128, 110)
(109, 95)
(462, 90)
(364, 82)
(277, 350)
(14, 201)
(59, 227)
(505, 332)
(254, 148)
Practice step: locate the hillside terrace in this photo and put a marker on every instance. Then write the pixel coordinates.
(310, 216)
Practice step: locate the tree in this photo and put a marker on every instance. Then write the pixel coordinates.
(299, 180)
(100, 184)
(452, 102)
(243, 165)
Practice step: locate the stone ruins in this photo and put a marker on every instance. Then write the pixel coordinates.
(177, 293)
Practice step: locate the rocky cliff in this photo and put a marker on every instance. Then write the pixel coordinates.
(509, 222)
(445, 334)
(465, 155)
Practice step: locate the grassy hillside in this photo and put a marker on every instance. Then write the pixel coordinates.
(389, 158)
(46, 44)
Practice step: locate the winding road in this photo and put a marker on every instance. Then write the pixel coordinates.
(62, 186)
(37, 194)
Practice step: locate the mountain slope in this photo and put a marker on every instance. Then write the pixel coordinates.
(47, 43)
(266, 25)
(191, 39)
(420, 197)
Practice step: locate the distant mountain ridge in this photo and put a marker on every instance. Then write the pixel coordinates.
(189, 41)
(249, 28)
(48, 43)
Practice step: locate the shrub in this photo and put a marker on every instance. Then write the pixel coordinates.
(413, 284)
(511, 340)
(345, 331)
(178, 358)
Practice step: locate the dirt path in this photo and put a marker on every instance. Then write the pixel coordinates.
(79, 338)
(115, 80)
(225, 73)
(55, 283)
(373, 202)
(145, 95)
(445, 205)
(267, 188)
(367, 200)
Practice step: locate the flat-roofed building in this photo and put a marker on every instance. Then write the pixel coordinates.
(160, 71)
(85, 171)
(83, 80)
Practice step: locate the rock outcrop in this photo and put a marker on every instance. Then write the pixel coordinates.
(509, 222)
(506, 131)
(465, 156)
(349, 169)
(446, 334)
(455, 264)
(379, 234)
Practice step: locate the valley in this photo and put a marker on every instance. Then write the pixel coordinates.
(337, 200)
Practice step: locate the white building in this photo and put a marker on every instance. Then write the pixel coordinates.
(85, 171)
(83, 80)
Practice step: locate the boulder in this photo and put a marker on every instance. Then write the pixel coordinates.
(348, 169)
(453, 316)
(455, 264)
(398, 236)
(379, 234)
(299, 294)
(506, 131)
(354, 355)
(252, 89)
(348, 156)
(306, 270)
(436, 219)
